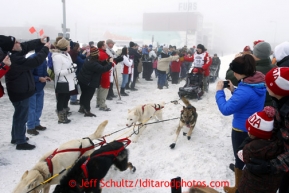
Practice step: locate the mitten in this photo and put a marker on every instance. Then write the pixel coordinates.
(240, 155)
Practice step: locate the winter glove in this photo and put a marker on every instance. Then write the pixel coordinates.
(118, 59)
(73, 65)
(259, 166)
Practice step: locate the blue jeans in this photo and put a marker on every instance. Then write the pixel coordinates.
(124, 80)
(237, 139)
(20, 117)
(162, 77)
(73, 98)
(35, 109)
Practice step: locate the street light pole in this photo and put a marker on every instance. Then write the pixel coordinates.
(64, 19)
(275, 31)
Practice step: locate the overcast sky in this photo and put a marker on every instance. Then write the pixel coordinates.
(242, 21)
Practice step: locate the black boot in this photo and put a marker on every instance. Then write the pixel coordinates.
(81, 109)
(110, 92)
(132, 86)
(88, 113)
(122, 93)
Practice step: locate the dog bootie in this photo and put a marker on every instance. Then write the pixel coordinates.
(238, 175)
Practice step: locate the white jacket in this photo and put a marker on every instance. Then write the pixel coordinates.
(61, 62)
(126, 65)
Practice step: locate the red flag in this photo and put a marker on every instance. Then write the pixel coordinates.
(32, 30)
(41, 32)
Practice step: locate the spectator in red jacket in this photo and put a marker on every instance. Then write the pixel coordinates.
(202, 60)
(103, 89)
(175, 69)
(4, 67)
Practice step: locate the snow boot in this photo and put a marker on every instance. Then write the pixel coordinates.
(81, 109)
(122, 93)
(88, 113)
(67, 110)
(238, 175)
(62, 117)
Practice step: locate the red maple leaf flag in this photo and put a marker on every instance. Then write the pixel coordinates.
(41, 32)
(32, 30)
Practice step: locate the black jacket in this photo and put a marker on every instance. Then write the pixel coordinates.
(91, 71)
(19, 79)
(284, 62)
(133, 54)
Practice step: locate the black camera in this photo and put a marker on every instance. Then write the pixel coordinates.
(176, 185)
(47, 39)
(8, 53)
(226, 84)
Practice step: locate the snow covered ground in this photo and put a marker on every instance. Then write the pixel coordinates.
(204, 158)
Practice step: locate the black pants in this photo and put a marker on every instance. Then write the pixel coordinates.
(237, 139)
(62, 100)
(147, 70)
(86, 95)
(110, 91)
(175, 77)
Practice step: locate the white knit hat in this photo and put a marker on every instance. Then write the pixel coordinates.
(277, 80)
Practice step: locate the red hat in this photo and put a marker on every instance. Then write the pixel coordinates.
(257, 41)
(277, 80)
(260, 124)
(195, 70)
(247, 48)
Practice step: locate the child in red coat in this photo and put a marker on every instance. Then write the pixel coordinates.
(175, 69)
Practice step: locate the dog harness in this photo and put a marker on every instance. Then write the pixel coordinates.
(157, 107)
(114, 153)
(80, 149)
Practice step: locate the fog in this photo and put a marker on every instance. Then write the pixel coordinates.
(238, 23)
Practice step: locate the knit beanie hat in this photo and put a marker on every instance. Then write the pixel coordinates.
(247, 48)
(91, 43)
(257, 42)
(260, 124)
(7, 43)
(262, 50)
(277, 80)
(62, 44)
(200, 46)
(94, 51)
(131, 44)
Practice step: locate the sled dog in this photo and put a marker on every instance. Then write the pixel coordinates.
(143, 113)
(61, 160)
(189, 118)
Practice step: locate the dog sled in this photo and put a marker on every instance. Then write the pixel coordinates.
(194, 84)
(214, 72)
